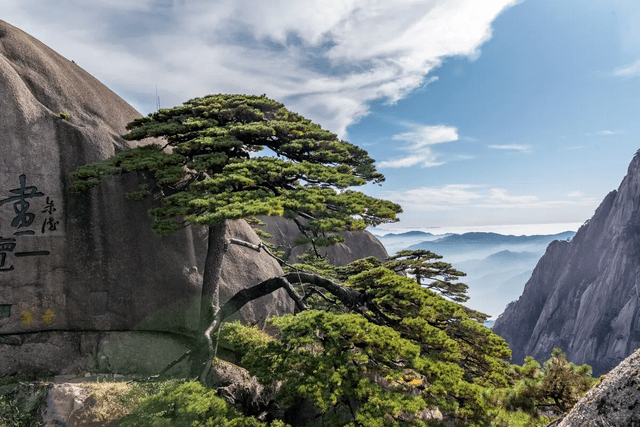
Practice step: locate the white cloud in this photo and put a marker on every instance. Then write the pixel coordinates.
(425, 159)
(326, 60)
(575, 194)
(605, 132)
(468, 197)
(422, 136)
(419, 139)
(512, 147)
(630, 70)
(500, 195)
(443, 198)
(610, 132)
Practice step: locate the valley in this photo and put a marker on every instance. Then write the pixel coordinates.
(497, 266)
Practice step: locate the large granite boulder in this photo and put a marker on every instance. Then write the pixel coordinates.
(356, 245)
(87, 262)
(614, 401)
(584, 295)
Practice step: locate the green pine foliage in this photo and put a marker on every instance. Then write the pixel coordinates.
(553, 388)
(188, 404)
(428, 354)
(430, 272)
(21, 403)
(237, 156)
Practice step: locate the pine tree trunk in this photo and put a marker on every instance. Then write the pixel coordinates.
(210, 297)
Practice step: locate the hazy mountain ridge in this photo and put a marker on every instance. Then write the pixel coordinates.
(483, 238)
(502, 259)
(397, 242)
(479, 245)
(497, 265)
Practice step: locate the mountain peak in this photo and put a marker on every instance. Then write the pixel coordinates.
(583, 295)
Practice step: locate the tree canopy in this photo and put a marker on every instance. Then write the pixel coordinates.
(236, 156)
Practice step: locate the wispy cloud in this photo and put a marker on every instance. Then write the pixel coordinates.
(425, 159)
(575, 194)
(421, 136)
(418, 141)
(610, 132)
(605, 132)
(500, 195)
(512, 147)
(326, 60)
(630, 70)
(455, 197)
(443, 198)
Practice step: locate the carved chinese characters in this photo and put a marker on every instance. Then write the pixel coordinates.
(22, 224)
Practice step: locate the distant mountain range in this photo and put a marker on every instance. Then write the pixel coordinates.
(497, 265)
(497, 280)
(397, 242)
(459, 247)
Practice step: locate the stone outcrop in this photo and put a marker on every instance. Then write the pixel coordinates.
(78, 263)
(584, 295)
(68, 405)
(356, 245)
(615, 401)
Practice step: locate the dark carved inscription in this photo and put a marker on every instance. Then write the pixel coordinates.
(5, 311)
(99, 302)
(6, 245)
(49, 223)
(21, 205)
(24, 219)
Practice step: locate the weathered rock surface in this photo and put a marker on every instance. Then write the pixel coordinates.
(357, 244)
(584, 295)
(242, 268)
(613, 402)
(67, 405)
(244, 392)
(123, 352)
(86, 262)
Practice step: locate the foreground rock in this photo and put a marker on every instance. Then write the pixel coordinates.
(584, 295)
(613, 402)
(75, 265)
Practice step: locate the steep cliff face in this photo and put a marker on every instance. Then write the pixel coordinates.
(86, 262)
(583, 295)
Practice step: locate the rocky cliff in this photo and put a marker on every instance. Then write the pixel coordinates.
(583, 295)
(356, 245)
(76, 268)
(615, 401)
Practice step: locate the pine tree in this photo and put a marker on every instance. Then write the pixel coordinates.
(236, 156)
(430, 272)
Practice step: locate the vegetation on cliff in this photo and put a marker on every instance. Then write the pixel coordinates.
(367, 346)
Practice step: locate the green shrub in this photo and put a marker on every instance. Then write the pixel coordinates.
(187, 404)
(20, 404)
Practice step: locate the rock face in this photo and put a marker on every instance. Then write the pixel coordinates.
(584, 295)
(357, 244)
(613, 402)
(85, 262)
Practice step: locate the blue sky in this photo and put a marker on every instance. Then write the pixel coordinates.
(481, 114)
